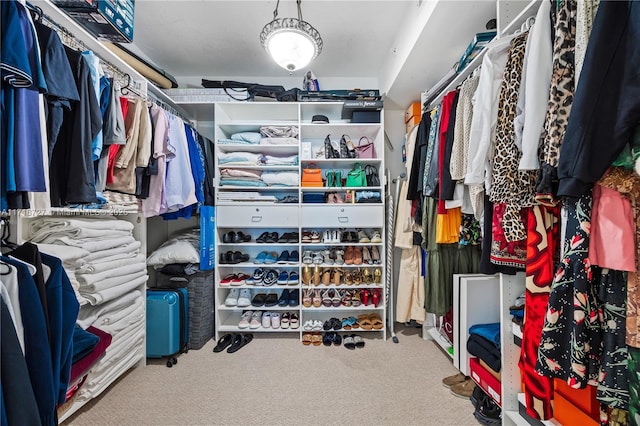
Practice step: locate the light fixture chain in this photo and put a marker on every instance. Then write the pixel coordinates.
(299, 2)
(275, 12)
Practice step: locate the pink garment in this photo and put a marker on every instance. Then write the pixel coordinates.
(612, 243)
(152, 205)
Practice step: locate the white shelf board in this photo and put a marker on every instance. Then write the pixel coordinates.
(440, 340)
(529, 10)
(344, 308)
(263, 168)
(260, 308)
(236, 329)
(258, 148)
(258, 188)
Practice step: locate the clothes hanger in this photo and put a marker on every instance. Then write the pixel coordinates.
(6, 234)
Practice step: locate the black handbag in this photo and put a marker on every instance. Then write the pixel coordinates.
(371, 174)
(329, 150)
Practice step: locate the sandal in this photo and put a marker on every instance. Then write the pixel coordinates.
(307, 257)
(326, 254)
(357, 256)
(348, 255)
(366, 276)
(316, 339)
(336, 300)
(375, 255)
(366, 257)
(316, 275)
(308, 326)
(348, 278)
(306, 275)
(376, 237)
(306, 236)
(355, 299)
(376, 321)
(316, 299)
(306, 339)
(346, 323)
(358, 341)
(318, 258)
(348, 342)
(365, 322)
(346, 299)
(306, 298)
(315, 237)
(357, 277)
(326, 298)
(339, 257)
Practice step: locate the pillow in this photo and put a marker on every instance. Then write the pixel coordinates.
(184, 248)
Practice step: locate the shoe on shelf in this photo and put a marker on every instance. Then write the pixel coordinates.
(464, 389)
(284, 238)
(294, 321)
(271, 238)
(266, 320)
(326, 237)
(241, 237)
(226, 281)
(259, 300)
(244, 299)
(363, 237)
(256, 320)
(275, 320)
(245, 319)
(256, 279)
(449, 381)
(318, 258)
(326, 257)
(260, 258)
(376, 237)
(348, 342)
(294, 238)
(262, 238)
(294, 257)
(271, 300)
(327, 340)
(358, 341)
(293, 278)
(315, 237)
(306, 236)
(271, 277)
(339, 257)
(240, 279)
(375, 255)
(272, 257)
(284, 257)
(284, 320)
(284, 298)
(283, 279)
(229, 237)
(294, 298)
(307, 257)
(232, 297)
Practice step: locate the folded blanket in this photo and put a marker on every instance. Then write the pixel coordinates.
(86, 279)
(279, 131)
(55, 224)
(91, 244)
(241, 173)
(224, 141)
(90, 314)
(239, 157)
(111, 293)
(78, 233)
(69, 255)
(279, 141)
(83, 343)
(105, 255)
(272, 160)
(485, 350)
(104, 284)
(110, 265)
(251, 137)
(491, 332)
(281, 178)
(80, 367)
(240, 182)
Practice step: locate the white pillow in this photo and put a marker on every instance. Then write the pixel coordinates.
(181, 249)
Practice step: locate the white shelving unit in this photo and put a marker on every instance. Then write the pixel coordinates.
(254, 218)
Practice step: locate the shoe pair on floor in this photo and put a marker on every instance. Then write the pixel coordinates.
(487, 412)
(232, 342)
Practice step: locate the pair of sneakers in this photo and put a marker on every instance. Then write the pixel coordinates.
(240, 297)
(250, 319)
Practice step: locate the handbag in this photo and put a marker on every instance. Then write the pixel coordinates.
(329, 150)
(372, 177)
(356, 177)
(311, 176)
(347, 150)
(367, 150)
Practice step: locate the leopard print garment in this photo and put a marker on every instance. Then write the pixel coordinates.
(510, 185)
(560, 101)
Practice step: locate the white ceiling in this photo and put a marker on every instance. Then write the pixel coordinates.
(404, 45)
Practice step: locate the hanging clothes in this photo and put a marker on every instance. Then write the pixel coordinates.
(560, 101)
(608, 92)
(585, 15)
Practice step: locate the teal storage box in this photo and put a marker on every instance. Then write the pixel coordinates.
(107, 20)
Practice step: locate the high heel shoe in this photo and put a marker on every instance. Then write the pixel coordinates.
(364, 296)
(377, 275)
(366, 276)
(357, 256)
(376, 297)
(306, 298)
(357, 277)
(337, 276)
(336, 300)
(306, 275)
(326, 298)
(339, 257)
(366, 257)
(326, 257)
(349, 255)
(355, 299)
(317, 298)
(375, 255)
(326, 276)
(348, 278)
(316, 275)
(346, 299)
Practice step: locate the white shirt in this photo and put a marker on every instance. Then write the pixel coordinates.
(485, 112)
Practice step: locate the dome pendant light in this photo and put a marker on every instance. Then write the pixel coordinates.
(291, 42)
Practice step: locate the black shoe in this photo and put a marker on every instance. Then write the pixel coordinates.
(223, 258)
(284, 238)
(284, 298)
(241, 237)
(294, 238)
(259, 299)
(224, 341)
(272, 238)
(239, 340)
(487, 412)
(294, 298)
(271, 300)
(229, 237)
(262, 238)
(327, 340)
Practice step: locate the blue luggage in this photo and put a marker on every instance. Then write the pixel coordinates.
(167, 323)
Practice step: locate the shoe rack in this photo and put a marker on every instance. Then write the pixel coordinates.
(345, 262)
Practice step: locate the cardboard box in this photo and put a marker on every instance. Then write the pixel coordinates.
(413, 110)
(107, 20)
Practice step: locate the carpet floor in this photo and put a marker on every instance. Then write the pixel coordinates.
(275, 380)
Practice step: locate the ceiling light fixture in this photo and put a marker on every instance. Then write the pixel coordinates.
(291, 42)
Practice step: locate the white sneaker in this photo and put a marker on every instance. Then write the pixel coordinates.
(275, 320)
(256, 320)
(326, 236)
(244, 319)
(266, 320)
(232, 297)
(244, 299)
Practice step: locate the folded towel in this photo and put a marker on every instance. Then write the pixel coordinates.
(241, 173)
(111, 293)
(90, 244)
(91, 314)
(108, 254)
(251, 137)
(68, 255)
(105, 222)
(110, 265)
(279, 141)
(137, 270)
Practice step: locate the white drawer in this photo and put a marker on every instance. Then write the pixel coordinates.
(343, 216)
(257, 216)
